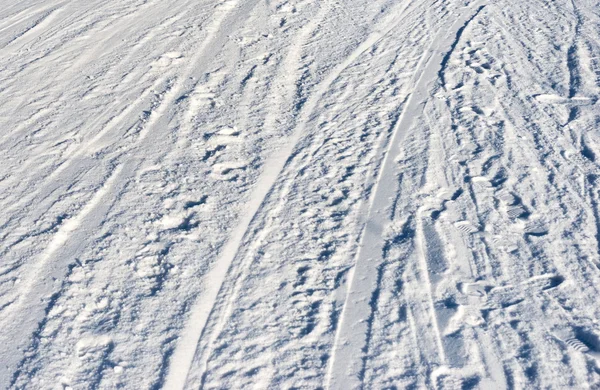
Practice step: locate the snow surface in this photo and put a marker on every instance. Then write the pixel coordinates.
(287, 194)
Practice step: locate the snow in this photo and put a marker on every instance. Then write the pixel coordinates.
(299, 194)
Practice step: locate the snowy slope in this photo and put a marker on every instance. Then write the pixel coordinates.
(299, 194)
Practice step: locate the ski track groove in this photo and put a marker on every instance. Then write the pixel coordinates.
(157, 119)
(66, 241)
(62, 246)
(115, 123)
(351, 340)
(263, 189)
(497, 254)
(202, 311)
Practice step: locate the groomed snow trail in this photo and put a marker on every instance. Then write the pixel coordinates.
(299, 194)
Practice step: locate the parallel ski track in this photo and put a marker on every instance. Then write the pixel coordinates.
(77, 157)
(52, 263)
(346, 369)
(184, 356)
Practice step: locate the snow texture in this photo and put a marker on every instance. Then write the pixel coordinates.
(299, 194)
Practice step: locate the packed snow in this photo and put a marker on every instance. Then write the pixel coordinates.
(299, 194)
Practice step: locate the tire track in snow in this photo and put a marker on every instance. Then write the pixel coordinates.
(347, 362)
(184, 356)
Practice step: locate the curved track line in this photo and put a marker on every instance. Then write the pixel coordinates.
(347, 359)
(41, 281)
(188, 344)
(63, 247)
(159, 118)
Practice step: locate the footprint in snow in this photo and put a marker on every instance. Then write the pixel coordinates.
(466, 227)
(167, 60)
(225, 137)
(580, 340)
(488, 297)
(228, 171)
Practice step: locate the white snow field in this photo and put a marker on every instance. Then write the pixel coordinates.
(299, 194)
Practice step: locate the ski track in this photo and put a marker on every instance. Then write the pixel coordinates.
(38, 286)
(347, 363)
(299, 194)
(271, 173)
